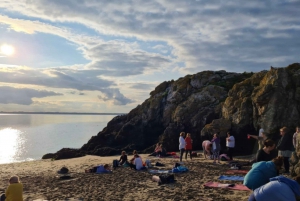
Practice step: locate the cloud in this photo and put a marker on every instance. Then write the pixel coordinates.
(113, 95)
(23, 96)
(64, 78)
(143, 86)
(203, 35)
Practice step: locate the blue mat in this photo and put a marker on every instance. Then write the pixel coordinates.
(232, 178)
(160, 171)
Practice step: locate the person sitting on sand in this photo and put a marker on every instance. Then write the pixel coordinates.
(134, 153)
(278, 189)
(265, 154)
(123, 158)
(137, 163)
(14, 192)
(216, 147)
(206, 146)
(261, 172)
(188, 145)
(157, 150)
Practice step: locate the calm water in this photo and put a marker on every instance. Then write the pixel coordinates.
(30, 136)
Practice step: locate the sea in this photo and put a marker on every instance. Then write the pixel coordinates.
(26, 137)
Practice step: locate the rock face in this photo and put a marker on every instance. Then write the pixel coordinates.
(202, 104)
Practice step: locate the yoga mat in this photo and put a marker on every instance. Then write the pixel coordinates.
(239, 187)
(236, 171)
(160, 171)
(231, 178)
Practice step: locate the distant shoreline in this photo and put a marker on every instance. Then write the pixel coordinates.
(63, 113)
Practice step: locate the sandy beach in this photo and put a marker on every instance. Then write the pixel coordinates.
(41, 182)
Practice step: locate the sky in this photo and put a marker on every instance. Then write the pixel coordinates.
(107, 56)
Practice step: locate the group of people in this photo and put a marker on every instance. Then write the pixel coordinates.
(135, 163)
(213, 148)
(263, 179)
(185, 145)
(285, 146)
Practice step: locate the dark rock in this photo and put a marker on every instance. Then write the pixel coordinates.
(64, 153)
(202, 104)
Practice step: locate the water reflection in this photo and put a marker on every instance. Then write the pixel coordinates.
(11, 144)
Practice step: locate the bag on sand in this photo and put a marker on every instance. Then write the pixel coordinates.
(194, 154)
(63, 170)
(166, 179)
(115, 163)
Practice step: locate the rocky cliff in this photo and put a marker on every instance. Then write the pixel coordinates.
(202, 104)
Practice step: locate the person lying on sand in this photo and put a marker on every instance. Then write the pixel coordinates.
(14, 192)
(104, 169)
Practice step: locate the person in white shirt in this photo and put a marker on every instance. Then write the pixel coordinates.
(295, 137)
(230, 144)
(181, 145)
(260, 133)
(137, 163)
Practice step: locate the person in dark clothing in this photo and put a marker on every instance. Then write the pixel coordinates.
(123, 158)
(285, 147)
(265, 154)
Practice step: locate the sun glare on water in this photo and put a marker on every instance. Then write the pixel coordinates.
(10, 144)
(7, 50)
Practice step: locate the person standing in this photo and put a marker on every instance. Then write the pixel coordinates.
(285, 148)
(181, 145)
(295, 137)
(188, 145)
(216, 148)
(230, 144)
(260, 139)
(260, 132)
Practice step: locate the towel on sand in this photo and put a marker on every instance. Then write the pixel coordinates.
(232, 178)
(236, 171)
(239, 187)
(160, 171)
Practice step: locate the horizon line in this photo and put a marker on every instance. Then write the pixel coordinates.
(95, 113)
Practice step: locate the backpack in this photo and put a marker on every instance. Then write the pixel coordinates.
(63, 170)
(148, 163)
(236, 166)
(194, 154)
(166, 179)
(115, 163)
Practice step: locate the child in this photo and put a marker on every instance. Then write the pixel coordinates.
(14, 192)
(216, 147)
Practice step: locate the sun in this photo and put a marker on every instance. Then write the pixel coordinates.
(7, 50)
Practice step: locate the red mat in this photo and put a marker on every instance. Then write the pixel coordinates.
(236, 171)
(239, 187)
